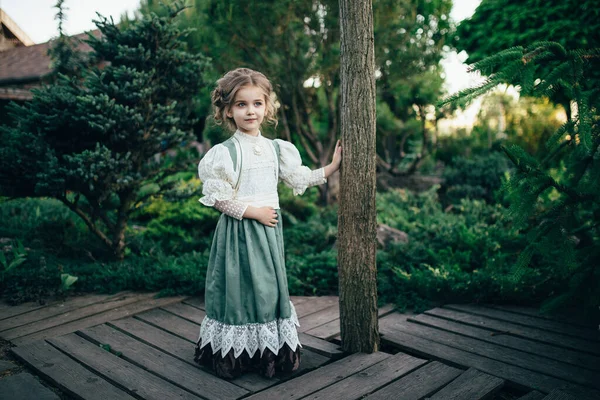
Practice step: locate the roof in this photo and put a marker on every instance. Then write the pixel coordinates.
(31, 63)
(12, 30)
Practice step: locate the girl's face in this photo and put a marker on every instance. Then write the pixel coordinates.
(248, 109)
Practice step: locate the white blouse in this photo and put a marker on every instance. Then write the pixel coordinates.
(259, 177)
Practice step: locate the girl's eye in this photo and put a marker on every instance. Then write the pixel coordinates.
(258, 104)
(241, 104)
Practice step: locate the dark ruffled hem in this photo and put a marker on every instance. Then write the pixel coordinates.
(285, 361)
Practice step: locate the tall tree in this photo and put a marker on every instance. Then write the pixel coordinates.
(89, 142)
(296, 43)
(357, 213)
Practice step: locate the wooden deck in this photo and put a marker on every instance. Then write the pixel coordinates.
(132, 346)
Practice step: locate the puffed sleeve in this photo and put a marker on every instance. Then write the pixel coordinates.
(293, 173)
(215, 170)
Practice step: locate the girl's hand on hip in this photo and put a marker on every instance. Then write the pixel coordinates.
(267, 216)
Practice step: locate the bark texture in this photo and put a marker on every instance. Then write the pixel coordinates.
(357, 213)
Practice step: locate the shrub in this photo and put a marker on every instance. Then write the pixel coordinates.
(479, 177)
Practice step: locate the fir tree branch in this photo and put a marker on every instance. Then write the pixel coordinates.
(552, 154)
(587, 161)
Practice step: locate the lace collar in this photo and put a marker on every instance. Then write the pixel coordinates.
(248, 138)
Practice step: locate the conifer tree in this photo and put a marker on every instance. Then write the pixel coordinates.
(555, 198)
(66, 59)
(89, 141)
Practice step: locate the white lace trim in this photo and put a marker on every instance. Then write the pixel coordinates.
(216, 190)
(233, 208)
(251, 337)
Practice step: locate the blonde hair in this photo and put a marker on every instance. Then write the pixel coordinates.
(227, 87)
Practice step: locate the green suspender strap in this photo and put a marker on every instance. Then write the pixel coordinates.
(233, 145)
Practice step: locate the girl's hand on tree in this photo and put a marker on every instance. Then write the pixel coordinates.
(265, 215)
(336, 161)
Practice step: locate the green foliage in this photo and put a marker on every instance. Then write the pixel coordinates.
(63, 51)
(19, 256)
(555, 197)
(67, 281)
(311, 259)
(174, 227)
(95, 137)
(501, 28)
(478, 177)
(462, 254)
(501, 24)
(42, 277)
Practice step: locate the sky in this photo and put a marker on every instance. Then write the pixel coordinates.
(36, 19)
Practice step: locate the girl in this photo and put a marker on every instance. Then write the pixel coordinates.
(246, 294)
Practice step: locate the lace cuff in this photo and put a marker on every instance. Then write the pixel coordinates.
(317, 177)
(304, 178)
(233, 208)
(215, 190)
(250, 337)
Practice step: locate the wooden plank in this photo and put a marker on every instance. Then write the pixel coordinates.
(516, 330)
(197, 302)
(532, 322)
(326, 331)
(500, 353)
(171, 323)
(254, 382)
(56, 308)
(556, 353)
(321, 377)
(315, 304)
(332, 329)
(319, 346)
(419, 383)
(6, 365)
(357, 385)
(24, 386)
(132, 378)
(385, 310)
(8, 311)
(37, 326)
(516, 377)
(533, 395)
(186, 311)
(176, 346)
(116, 313)
(471, 385)
(559, 395)
(167, 367)
(70, 376)
(580, 393)
(180, 348)
(535, 312)
(309, 360)
(319, 318)
(299, 299)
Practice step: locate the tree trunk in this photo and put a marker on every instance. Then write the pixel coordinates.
(357, 213)
(118, 243)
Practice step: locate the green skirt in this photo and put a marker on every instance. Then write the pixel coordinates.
(246, 295)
